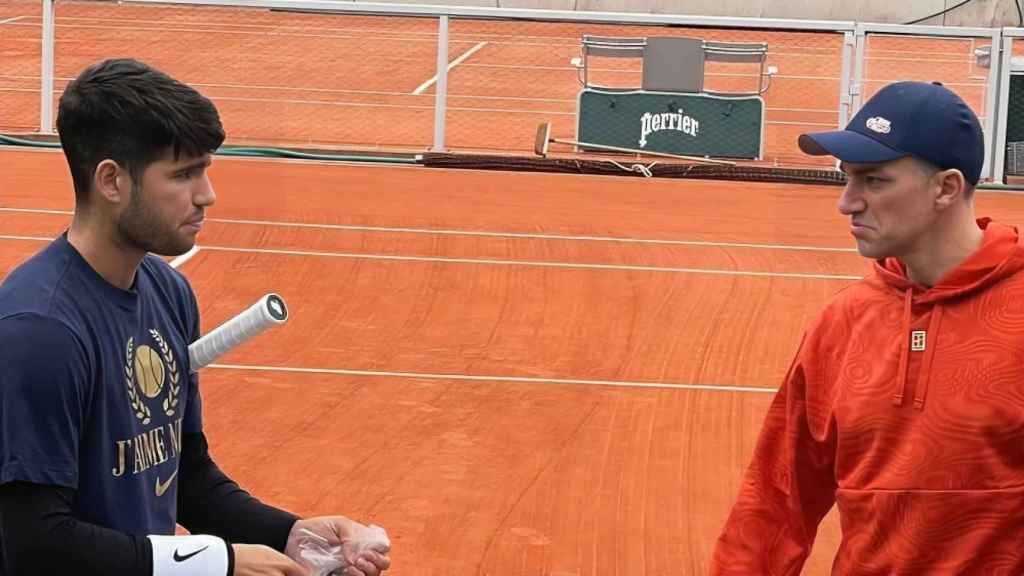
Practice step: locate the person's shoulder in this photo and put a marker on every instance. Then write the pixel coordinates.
(846, 308)
(32, 286)
(33, 334)
(44, 358)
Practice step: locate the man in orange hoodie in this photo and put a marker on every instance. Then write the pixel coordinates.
(904, 405)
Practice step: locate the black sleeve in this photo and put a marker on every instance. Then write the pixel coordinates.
(40, 537)
(211, 503)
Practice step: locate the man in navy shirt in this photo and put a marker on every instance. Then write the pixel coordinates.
(102, 449)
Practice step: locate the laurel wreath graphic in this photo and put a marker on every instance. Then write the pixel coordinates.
(173, 390)
(138, 406)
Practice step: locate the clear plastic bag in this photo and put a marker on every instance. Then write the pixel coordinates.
(322, 559)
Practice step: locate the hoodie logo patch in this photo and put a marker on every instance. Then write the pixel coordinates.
(918, 339)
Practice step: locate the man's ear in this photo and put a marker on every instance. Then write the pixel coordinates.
(111, 182)
(951, 187)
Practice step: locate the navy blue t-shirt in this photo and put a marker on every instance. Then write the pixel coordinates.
(95, 387)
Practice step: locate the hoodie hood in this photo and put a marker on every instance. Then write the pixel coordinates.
(1001, 255)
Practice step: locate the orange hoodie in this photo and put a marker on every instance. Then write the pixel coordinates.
(904, 407)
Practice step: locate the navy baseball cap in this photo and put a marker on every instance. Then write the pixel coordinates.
(920, 119)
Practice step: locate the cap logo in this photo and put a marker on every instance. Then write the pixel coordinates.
(879, 124)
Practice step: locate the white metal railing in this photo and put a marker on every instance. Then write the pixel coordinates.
(852, 79)
(46, 73)
(1008, 66)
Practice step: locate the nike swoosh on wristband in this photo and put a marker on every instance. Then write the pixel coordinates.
(179, 558)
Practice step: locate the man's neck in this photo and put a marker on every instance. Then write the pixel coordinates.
(944, 249)
(96, 242)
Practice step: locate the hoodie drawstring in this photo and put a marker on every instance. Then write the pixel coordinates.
(901, 381)
(929, 353)
(921, 389)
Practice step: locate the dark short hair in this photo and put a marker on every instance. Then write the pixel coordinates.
(129, 112)
(930, 169)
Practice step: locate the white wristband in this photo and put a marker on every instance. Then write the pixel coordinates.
(190, 556)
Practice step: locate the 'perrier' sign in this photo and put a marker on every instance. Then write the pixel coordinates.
(686, 124)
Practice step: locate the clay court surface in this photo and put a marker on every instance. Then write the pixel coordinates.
(513, 373)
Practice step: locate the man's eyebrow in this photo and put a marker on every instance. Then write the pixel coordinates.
(866, 169)
(202, 163)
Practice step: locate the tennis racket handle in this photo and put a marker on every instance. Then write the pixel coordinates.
(270, 310)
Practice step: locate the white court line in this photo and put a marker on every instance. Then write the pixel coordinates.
(185, 257)
(15, 19)
(531, 236)
(37, 211)
(528, 263)
(26, 238)
(174, 263)
(486, 234)
(461, 377)
(420, 89)
(482, 378)
(532, 263)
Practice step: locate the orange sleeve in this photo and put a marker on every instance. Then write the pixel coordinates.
(788, 487)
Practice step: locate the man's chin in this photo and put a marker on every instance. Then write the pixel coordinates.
(173, 250)
(871, 250)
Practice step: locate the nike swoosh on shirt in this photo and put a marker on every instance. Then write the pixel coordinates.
(161, 488)
(179, 558)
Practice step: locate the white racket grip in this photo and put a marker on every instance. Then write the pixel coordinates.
(270, 310)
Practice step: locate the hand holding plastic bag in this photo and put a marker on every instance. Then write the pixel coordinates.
(324, 559)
